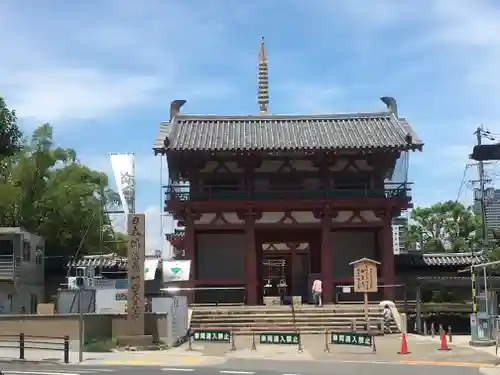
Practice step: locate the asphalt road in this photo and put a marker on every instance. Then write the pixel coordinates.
(248, 367)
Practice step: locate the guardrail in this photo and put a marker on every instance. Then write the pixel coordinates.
(350, 337)
(22, 342)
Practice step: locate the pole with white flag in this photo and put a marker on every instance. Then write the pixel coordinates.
(123, 166)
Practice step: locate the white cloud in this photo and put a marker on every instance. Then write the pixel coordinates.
(123, 57)
(75, 93)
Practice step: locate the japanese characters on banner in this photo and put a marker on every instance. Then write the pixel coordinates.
(365, 276)
(123, 166)
(136, 256)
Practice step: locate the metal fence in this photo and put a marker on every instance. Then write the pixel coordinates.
(22, 342)
(67, 301)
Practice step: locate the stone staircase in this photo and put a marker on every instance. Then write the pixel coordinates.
(308, 319)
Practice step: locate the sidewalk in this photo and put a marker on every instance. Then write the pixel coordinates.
(458, 340)
(171, 357)
(423, 350)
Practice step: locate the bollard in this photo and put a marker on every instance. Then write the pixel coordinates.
(66, 349)
(327, 348)
(190, 341)
(233, 344)
(299, 348)
(450, 335)
(404, 323)
(374, 345)
(433, 330)
(21, 346)
(415, 328)
(426, 329)
(353, 325)
(440, 328)
(254, 347)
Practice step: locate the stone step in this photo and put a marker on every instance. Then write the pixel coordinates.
(286, 313)
(274, 324)
(280, 319)
(289, 313)
(313, 331)
(303, 330)
(253, 309)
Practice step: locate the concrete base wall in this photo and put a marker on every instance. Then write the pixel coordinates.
(95, 326)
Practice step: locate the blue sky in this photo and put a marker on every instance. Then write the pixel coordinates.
(104, 72)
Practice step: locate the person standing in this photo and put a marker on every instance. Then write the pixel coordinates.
(317, 290)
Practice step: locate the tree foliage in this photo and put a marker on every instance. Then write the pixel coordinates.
(444, 227)
(10, 135)
(45, 190)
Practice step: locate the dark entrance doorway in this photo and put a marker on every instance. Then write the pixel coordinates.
(285, 269)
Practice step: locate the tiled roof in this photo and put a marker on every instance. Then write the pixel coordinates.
(118, 262)
(290, 132)
(176, 238)
(439, 259)
(105, 261)
(457, 278)
(162, 135)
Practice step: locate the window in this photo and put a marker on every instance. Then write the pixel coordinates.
(9, 299)
(39, 256)
(33, 303)
(26, 251)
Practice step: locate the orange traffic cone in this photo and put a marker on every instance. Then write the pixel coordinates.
(404, 345)
(444, 341)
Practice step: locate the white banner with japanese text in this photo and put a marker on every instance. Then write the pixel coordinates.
(123, 166)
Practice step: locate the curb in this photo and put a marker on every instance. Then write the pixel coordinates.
(16, 361)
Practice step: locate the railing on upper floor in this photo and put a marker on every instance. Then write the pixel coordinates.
(183, 193)
(10, 267)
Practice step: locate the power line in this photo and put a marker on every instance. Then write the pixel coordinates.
(462, 182)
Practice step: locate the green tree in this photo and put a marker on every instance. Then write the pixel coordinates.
(10, 135)
(44, 189)
(444, 227)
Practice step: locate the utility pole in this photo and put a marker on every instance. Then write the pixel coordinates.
(482, 191)
(484, 225)
(102, 212)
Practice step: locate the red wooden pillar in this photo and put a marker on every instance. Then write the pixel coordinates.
(293, 262)
(387, 260)
(190, 248)
(326, 257)
(250, 260)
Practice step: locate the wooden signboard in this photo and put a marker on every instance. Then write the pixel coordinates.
(365, 280)
(365, 275)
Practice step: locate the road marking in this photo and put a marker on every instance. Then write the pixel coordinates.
(457, 364)
(38, 373)
(291, 374)
(237, 372)
(177, 369)
(97, 370)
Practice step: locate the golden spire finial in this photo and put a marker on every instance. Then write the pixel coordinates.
(263, 94)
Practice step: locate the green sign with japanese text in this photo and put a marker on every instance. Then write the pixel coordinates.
(212, 335)
(351, 338)
(279, 338)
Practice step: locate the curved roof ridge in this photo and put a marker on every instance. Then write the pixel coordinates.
(271, 117)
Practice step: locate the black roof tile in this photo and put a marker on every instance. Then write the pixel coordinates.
(290, 132)
(416, 259)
